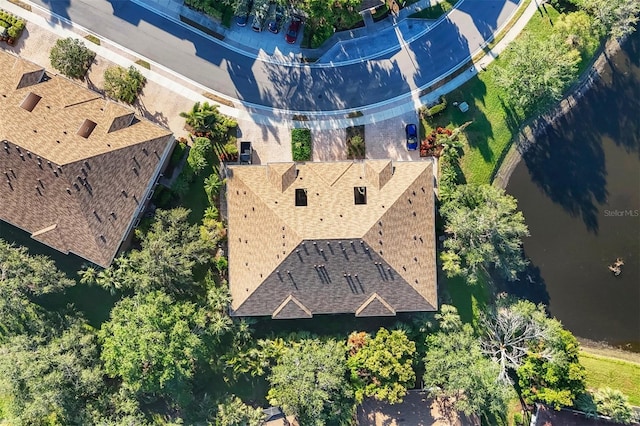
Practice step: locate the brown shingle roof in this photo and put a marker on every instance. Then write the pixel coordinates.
(331, 256)
(72, 193)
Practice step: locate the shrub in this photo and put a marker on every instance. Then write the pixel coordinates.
(93, 39)
(231, 149)
(615, 404)
(356, 148)
(123, 84)
(13, 24)
(197, 159)
(436, 109)
(518, 419)
(301, 144)
(181, 185)
(71, 57)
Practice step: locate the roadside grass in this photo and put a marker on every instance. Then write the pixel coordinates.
(614, 373)
(434, 12)
(494, 122)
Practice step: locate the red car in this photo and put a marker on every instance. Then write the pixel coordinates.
(292, 33)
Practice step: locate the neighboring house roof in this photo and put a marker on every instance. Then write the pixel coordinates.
(416, 409)
(547, 416)
(369, 4)
(332, 255)
(75, 168)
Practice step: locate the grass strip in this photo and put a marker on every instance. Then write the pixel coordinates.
(614, 373)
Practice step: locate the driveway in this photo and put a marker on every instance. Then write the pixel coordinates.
(386, 139)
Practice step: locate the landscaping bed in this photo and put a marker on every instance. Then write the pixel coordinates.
(356, 149)
(12, 27)
(301, 144)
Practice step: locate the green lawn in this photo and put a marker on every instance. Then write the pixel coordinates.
(494, 123)
(614, 373)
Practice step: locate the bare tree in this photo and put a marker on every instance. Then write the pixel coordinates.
(510, 332)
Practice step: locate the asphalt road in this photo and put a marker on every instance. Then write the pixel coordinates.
(292, 87)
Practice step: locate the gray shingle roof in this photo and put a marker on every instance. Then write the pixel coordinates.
(331, 256)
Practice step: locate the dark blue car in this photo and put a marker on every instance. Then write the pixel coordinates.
(411, 130)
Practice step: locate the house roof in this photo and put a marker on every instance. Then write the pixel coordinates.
(547, 416)
(74, 193)
(416, 409)
(332, 255)
(369, 4)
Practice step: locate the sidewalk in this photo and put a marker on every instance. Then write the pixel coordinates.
(273, 47)
(177, 84)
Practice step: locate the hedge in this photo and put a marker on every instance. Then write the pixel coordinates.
(301, 144)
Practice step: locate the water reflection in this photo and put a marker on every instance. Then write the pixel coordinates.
(579, 189)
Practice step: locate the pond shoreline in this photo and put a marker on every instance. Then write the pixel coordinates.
(529, 133)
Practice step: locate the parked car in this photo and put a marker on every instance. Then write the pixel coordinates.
(258, 23)
(411, 131)
(246, 152)
(292, 33)
(242, 12)
(274, 21)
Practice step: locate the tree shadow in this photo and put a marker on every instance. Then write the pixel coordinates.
(19, 44)
(59, 8)
(157, 116)
(529, 285)
(567, 163)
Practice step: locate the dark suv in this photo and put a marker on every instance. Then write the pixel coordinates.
(246, 152)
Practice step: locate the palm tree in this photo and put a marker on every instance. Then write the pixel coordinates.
(205, 118)
(212, 185)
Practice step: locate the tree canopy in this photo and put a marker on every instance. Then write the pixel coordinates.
(551, 372)
(123, 84)
(484, 230)
(22, 278)
(71, 57)
(155, 344)
(510, 331)
(56, 381)
(534, 71)
(458, 375)
(310, 382)
(615, 17)
(205, 118)
(382, 367)
(170, 250)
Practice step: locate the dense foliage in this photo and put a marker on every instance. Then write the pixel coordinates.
(310, 382)
(382, 367)
(123, 84)
(169, 252)
(22, 279)
(205, 119)
(154, 345)
(484, 231)
(301, 144)
(457, 374)
(71, 57)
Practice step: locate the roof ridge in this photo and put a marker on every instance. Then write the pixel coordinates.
(375, 296)
(286, 301)
(314, 166)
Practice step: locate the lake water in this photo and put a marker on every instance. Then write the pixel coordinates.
(579, 190)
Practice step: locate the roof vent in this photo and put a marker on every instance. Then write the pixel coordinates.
(86, 128)
(30, 102)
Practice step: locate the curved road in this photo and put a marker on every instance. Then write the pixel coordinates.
(408, 67)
